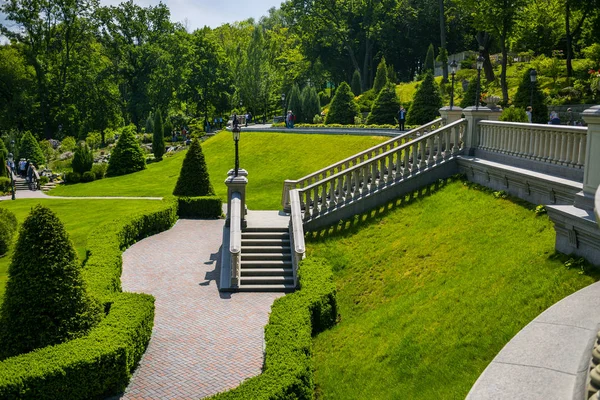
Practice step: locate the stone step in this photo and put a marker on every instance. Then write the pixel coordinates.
(245, 272)
(266, 280)
(266, 264)
(264, 256)
(265, 249)
(266, 235)
(265, 242)
(265, 229)
(267, 288)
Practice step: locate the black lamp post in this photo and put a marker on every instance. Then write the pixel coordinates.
(533, 77)
(480, 61)
(12, 179)
(453, 66)
(236, 139)
(283, 103)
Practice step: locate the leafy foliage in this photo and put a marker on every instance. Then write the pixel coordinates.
(29, 149)
(83, 159)
(513, 114)
(426, 103)
(539, 113)
(8, 226)
(295, 101)
(194, 180)
(356, 84)
(158, 137)
(127, 156)
(343, 108)
(385, 108)
(381, 76)
(311, 105)
(429, 64)
(469, 95)
(46, 300)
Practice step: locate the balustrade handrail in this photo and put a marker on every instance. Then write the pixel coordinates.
(545, 127)
(297, 233)
(598, 205)
(384, 155)
(235, 236)
(290, 184)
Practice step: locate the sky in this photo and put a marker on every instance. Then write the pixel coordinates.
(195, 14)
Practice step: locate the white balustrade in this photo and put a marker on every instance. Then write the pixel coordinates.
(394, 165)
(296, 233)
(235, 237)
(354, 160)
(555, 144)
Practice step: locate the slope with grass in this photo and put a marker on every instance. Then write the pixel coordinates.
(430, 292)
(269, 158)
(80, 217)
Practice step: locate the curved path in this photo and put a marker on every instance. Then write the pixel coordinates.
(203, 341)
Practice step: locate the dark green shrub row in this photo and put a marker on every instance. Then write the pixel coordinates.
(88, 176)
(72, 177)
(8, 227)
(5, 185)
(294, 319)
(100, 363)
(200, 207)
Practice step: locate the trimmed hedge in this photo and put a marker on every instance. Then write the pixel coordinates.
(200, 207)
(100, 363)
(8, 228)
(294, 319)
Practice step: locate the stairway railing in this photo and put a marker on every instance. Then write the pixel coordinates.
(290, 184)
(387, 168)
(235, 238)
(555, 144)
(296, 233)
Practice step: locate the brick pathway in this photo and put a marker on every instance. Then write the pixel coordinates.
(203, 342)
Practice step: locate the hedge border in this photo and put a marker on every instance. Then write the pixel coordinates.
(102, 362)
(295, 318)
(200, 207)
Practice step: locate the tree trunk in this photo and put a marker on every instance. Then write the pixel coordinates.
(569, 41)
(443, 40)
(484, 41)
(503, 83)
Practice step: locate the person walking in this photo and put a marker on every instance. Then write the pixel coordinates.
(401, 118)
(570, 120)
(529, 114)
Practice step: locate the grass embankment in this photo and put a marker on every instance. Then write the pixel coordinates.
(429, 294)
(269, 158)
(80, 217)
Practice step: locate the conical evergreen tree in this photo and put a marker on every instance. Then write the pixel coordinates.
(385, 108)
(429, 59)
(380, 76)
(391, 74)
(150, 123)
(46, 300)
(193, 179)
(295, 102)
(522, 99)
(30, 149)
(343, 108)
(311, 105)
(426, 102)
(356, 83)
(158, 137)
(83, 159)
(127, 156)
(468, 98)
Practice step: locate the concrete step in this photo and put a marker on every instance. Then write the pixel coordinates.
(264, 256)
(265, 242)
(266, 235)
(267, 288)
(266, 280)
(266, 229)
(266, 264)
(245, 272)
(265, 249)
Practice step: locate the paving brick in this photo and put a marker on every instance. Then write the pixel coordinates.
(203, 342)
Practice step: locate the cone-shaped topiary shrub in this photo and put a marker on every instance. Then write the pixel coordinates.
(83, 159)
(343, 108)
(429, 59)
(8, 226)
(295, 102)
(193, 179)
(29, 149)
(46, 300)
(158, 137)
(380, 76)
(311, 105)
(426, 102)
(356, 84)
(385, 108)
(127, 156)
(539, 112)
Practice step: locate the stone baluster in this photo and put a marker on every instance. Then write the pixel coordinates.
(472, 135)
(315, 196)
(306, 196)
(324, 194)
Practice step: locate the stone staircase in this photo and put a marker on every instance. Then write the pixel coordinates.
(21, 184)
(266, 263)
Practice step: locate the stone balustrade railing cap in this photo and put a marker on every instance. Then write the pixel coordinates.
(591, 113)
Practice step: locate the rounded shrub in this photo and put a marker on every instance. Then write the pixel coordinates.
(426, 102)
(127, 156)
(99, 170)
(88, 176)
(83, 159)
(5, 185)
(193, 179)
(513, 114)
(8, 226)
(386, 106)
(72, 177)
(343, 108)
(46, 300)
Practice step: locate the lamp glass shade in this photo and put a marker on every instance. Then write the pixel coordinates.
(236, 134)
(533, 75)
(480, 61)
(453, 66)
(283, 97)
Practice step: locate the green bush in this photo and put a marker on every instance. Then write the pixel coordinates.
(72, 177)
(5, 185)
(426, 102)
(513, 114)
(200, 207)
(386, 106)
(94, 140)
(193, 180)
(127, 156)
(99, 170)
(310, 104)
(83, 159)
(522, 99)
(29, 149)
(46, 300)
(158, 137)
(101, 363)
(8, 226)
(294, 102)
(366, 100)
(88, 176)
(380, 77)
(68, 144)
(294, 319)
(343, 108)
(356, 84)
(468, 98)
(44, 180)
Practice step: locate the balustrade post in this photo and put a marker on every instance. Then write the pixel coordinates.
(236, 184)
(591, 168)
(473, 116)
(450, 115)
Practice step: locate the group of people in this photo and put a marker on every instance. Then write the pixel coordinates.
(25, 169)
(290, 118)
(554, 118)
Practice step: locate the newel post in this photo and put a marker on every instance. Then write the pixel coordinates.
(473, 116)
(450, 114)
(236, 184)
(591, 168)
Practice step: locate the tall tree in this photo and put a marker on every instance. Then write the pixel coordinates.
(381, 76)
(443, 49)
(158, 136)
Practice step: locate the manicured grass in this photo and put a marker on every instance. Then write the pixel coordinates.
(80, 217)
(269, 158)
(430, 292)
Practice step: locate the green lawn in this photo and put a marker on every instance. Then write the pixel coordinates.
(270, 158)
(80, 217)
(429, 293)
